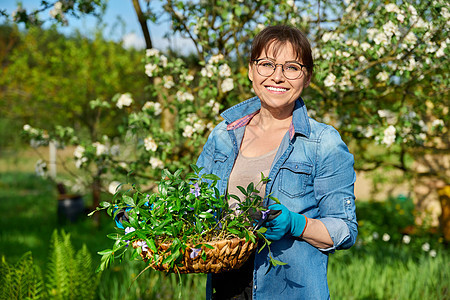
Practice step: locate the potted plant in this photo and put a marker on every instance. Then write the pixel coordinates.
(187, 226)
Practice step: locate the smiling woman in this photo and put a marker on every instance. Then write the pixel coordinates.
(309, 167)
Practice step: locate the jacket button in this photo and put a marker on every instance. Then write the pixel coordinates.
(348, 201)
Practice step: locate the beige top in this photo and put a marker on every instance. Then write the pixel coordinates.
(246, 170)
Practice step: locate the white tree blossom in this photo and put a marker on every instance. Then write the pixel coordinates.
(150, 144)
(124, 100)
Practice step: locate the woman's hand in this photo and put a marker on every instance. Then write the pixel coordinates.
(287, 222)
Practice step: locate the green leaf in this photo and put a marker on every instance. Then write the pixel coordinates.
(250, 188)
(105, 204)
(211, 177)
(206, 215)
(243, 191)
(104, 252)
(128, 200)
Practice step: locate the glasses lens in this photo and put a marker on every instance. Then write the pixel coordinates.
(265, 67)
(292, 70)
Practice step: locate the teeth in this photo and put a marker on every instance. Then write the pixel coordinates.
(270, 88)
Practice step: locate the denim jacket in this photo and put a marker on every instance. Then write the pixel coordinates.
(312, 174)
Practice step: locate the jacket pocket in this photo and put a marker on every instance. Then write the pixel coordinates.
(219, 162)
(294, 177)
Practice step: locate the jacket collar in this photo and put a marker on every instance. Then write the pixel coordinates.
(241, 114)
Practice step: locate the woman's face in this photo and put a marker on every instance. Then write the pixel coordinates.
(276, 92)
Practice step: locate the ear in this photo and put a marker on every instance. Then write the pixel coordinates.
(250, 72)
(307, 81)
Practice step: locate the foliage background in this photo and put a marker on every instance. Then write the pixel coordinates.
(119, 115)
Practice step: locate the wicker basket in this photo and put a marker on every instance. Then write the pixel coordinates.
(226, 255)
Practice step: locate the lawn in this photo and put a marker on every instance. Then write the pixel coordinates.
(382, 265)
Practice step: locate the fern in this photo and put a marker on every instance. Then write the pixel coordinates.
(21, 281)
(87, 279)
(56, 276)
(70, 275)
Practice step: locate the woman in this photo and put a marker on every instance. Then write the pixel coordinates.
(309, 166)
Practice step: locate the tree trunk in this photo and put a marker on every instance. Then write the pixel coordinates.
(143, 22)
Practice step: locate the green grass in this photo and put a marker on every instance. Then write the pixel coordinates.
(371, 270)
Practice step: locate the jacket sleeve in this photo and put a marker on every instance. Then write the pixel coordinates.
(206, 157)
(334, 189)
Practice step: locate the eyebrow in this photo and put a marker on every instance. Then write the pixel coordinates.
(288, 61)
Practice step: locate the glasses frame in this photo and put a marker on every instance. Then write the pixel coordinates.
(256, 61)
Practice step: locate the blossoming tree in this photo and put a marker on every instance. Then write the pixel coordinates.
(381, 78)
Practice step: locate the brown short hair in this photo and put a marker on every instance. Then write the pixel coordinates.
(279, 35)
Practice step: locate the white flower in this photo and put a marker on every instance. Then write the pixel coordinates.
(440, 52)
(391, 7)
(156, 106)
(437, 123)
(368, 132)
(183, 96)
(215, 59)
(188, 78)
(406, 239)
(330, 80)
(79, 162)
(375, 235)
(386, 237)
(389, 136)
(426, 247)
(260, 26)
(372, 32)
(382, 76)
(365, 46)
(26, 127)
(79, 151)
(391, 29)
(227, 85)
(224, 70)
(151, 52)
(149, 68)
(156, 163)
(124, 100)
(168, 82)
(191, 118)
(401, 17)
(188, 131)
(433, 253)
(199, 126)
(100, 149)
(345, 54)
(445, 13)
(163, 60)
(410, 38)
(57, 10)
(113, 187)
(381, 38)
(150, 144)
(208, 70)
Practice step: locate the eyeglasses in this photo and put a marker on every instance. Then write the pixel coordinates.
(291, 70)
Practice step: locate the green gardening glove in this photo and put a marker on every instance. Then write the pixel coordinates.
(287, 222)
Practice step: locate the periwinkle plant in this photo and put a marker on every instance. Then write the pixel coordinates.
(183, 213)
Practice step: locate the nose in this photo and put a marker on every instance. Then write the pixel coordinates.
(277, 75)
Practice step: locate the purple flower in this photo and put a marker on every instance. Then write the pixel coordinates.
(195, 190)
(142, 244)
(220, 225)
(195, 252)
(265, 213)
(129, 229)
